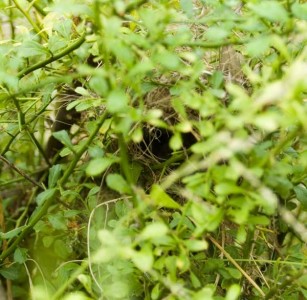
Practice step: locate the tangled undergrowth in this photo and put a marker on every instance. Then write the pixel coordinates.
(153, 149)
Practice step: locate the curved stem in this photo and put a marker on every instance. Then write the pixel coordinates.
(53, 58)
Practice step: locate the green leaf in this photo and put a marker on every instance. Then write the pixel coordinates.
(117, 101)
(96, 151)
(259, 220)
(31, 48)
(140, 69)
(143, 259)
(195, 281)
(216, 33)
(65, 151)
(196, 245)
(122, 52)
(45, 195)
(98, 165)
(117, 183)
(233, 292)
(119, 288)
(86, 281)
(156, 291)
(301, 195)
(57, 221)
(99, 85)
(168, 60)
(54, 175)
(12, 272)
(63, 28)
(187, 7)
(234, 273)
(107, 238)
(84, 104)
(41, 226)
(267, 121)
(227, 188)
(213, 217)
(121, 209)
(300, 10)
(161, 199)
(20, 255)
(241, 234)
(62, 249)
(71, 213)
(69, 7)
(12, 233)
(48, 241)
(136, 171)
(271, 10)
(205, 293)
(154, 230)
(64, 138)
(82, 91)
(176, 141)
(258, 46)
(55, 43)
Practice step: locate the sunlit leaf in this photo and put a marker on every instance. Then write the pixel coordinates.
(161, 198)
(154, 230)
(20, 255)
(271, 10)
(187, 7)
(143, 259)
(32, 48)
(63, 137)
(45, 195)
(233, 292)
(54, 175)
(117, 183)
(196, 245)
(99, 165)
(117, 101)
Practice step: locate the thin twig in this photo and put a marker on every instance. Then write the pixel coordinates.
(28, 17)
(22, 173)
(252, 282)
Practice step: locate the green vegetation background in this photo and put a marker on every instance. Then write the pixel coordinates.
(153, 149)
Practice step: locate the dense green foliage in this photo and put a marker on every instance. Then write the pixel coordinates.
(176, 164)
